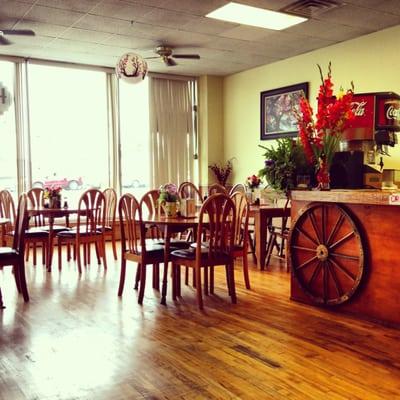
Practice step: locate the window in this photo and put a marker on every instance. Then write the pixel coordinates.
(68, 128)
(134, 133)
(8, 148)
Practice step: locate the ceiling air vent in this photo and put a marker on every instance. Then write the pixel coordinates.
(310, 8)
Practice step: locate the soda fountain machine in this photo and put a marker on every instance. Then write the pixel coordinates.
(365, 142)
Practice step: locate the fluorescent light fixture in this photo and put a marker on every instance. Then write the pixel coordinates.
(248, 15)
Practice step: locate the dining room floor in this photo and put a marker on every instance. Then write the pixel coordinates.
(77, 340)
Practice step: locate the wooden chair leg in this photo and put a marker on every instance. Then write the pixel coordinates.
(34, 253)
(137, 277)
(59, 253)
(178, 280)
(122, 277)
(252, 247)
(232, 293)
(114, 244)
(1, 301)
(103, 252)
(205, 280)
(22, 280)
(78, 256)
(246, 270)
(186, 275)
(228, 280)
(211, 280)
(198, 288)
(142, 283)
(174, 285)
(270, 247)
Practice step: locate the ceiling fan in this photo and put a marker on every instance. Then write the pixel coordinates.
(22, 32)
(166, 53)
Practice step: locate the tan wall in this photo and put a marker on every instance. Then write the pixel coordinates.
(211, 125)
(371, 61)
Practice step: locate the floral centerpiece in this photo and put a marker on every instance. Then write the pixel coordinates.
(253, 182)
(321, 138)
(222, 172)
(283, 162)
(52, 196)
(168, 199)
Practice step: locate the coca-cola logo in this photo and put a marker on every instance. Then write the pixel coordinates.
(358, 108)
(393, 113)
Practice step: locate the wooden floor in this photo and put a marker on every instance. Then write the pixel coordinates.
(77, 340)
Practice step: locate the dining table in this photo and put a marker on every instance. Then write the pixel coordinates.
(263, 215)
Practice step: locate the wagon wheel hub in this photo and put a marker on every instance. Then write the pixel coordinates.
(322, 252)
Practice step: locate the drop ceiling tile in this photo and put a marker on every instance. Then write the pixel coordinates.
(75, 5)
(388, 6)
(166, 18)
(104, 24)
(274, 5)
(85, 35)
(208, 26)
(194, 7)
(245, 32)
(121, 9)
(150, 3)
(183, 38)
(53, 15)
(34, 41)
(130, 42)
(13, 9)
(360, 17)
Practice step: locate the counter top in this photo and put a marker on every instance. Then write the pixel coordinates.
(361, 196)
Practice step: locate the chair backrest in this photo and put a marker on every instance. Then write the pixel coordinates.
(188, 190)
(238, 187)
(242, 218)
(111, 205)
(21, 224)
(131, 225)
(150, 200)
(91, 212)
(217, 218)
(35, 200)
(7, 209)
(216, 188)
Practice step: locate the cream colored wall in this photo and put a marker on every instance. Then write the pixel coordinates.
(211, 126)
(372, 62)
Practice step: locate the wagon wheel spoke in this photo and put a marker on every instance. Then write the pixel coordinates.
(343, 239)
(323, 224)
(306, 263)
(343, 269)
(303, 248)
(315, 227)
(336, 227)
(338, 286)
(298, 229)
(325, 278)
(345, 256)
(315, 273)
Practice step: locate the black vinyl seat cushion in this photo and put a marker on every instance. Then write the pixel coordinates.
(73, 232)
(7, 253)
(174, 243)
(190, 254)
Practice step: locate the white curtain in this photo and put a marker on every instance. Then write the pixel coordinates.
(172, 142)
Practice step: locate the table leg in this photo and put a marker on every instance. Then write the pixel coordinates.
(260, 231)
(49, 254)
(167, 240)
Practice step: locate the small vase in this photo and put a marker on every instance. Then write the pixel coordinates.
(170, 208)
(323, 178)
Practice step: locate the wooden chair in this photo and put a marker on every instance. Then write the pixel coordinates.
(217, 216)
(238, 187)
(111, 206)
(278, 231)
(7, 210)
(89, 229)
(188, 190)
(14, 256)
(240, 248)
(134, 245)
(216, 188)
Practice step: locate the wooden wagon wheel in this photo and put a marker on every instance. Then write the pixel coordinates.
(326, 253)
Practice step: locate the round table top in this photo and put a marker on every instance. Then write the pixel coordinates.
(4, 221)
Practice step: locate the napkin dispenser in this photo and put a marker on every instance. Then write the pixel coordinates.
(188, 208)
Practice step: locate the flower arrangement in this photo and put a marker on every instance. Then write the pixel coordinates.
(51, 192)
(253, 181)
(222, 173)
(168, 193)
(321, 138)
(282, 164)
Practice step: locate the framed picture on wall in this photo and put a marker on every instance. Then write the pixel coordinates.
(277, 116)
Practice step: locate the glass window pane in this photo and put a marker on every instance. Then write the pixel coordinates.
(134, 125)
(69, 129)
(8, 148)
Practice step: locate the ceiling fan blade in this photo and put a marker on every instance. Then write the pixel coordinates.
(23, 32)
(193, 56)
(3, 40)
(169, 62)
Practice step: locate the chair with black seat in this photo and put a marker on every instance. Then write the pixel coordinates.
(279, 230)
(188, 190)
(217, 217)
(7, 210)
(134, 244)
(90, 227)
(111, 206)
(241, 243)
(14, 255)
